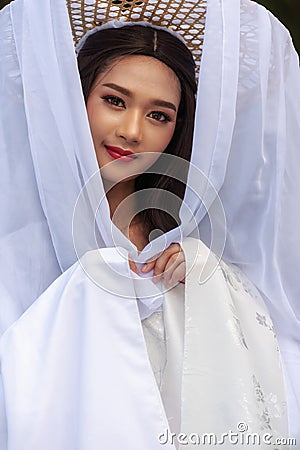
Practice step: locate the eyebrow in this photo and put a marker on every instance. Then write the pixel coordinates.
(126, 92)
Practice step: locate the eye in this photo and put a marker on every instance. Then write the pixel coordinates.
(114, 101)
(159, 116)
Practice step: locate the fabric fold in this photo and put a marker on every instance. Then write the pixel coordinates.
(86, 378)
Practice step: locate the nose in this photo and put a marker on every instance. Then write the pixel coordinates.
(130, 126)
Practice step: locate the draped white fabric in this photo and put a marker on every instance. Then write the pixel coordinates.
(256, 175)
(86, 347)
(76, 373)
(246, 142)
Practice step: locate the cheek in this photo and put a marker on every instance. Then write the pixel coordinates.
(165, 138)
(99, 125)
(90, 107)
(98, 121)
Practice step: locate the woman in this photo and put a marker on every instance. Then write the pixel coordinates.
(72, 327)
(119, 81)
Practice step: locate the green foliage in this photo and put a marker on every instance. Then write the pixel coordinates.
(3, 3)
(287, 11)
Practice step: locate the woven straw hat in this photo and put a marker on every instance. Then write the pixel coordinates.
(186, 17)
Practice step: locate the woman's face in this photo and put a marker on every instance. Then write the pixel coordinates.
(132, 110)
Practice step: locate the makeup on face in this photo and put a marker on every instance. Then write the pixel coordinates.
(119, 153)
(132, 110)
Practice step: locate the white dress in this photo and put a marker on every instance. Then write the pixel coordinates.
(246, 143)
(75, 370)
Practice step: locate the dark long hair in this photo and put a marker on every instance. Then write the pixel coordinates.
(99, 51)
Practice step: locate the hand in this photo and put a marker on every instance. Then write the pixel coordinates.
(133, 267)
(170, 266)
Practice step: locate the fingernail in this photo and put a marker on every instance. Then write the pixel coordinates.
(145, 267)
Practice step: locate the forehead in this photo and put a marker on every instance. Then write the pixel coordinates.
(139, 72)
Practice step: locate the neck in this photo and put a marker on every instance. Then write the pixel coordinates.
(123, 215)
(116, 195)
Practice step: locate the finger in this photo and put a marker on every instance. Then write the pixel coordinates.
(178, 275)
(173, 248)
(133, 266)
(151, 262)
(173, 262)
(148, 266)
(170, 252)
(160, 266)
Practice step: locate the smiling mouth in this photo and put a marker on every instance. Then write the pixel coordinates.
(119, 153)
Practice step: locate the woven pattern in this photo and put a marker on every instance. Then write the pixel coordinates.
(184, 17)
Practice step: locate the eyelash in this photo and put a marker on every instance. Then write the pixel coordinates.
(114, 101)
(166, 117)
(119, 103)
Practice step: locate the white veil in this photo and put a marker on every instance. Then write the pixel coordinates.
(246, 142)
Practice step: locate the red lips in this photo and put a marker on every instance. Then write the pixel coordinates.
(119, 150)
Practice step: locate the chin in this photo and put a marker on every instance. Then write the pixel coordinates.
(116, 177)
(119, 172)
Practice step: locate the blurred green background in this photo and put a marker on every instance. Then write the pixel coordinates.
(287, 11)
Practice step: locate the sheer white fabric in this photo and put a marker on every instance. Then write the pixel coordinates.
(257, 174)
(246, 142)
